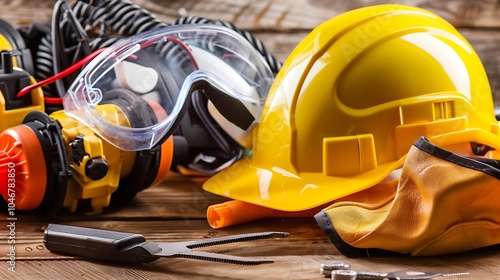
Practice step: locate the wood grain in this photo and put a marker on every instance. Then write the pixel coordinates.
(297, 256)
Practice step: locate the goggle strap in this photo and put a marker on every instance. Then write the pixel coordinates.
(200, 107)
(231, 108)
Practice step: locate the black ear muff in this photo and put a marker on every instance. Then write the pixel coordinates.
(200, 101)
(22, 54)
(230, 107)
(147, 162)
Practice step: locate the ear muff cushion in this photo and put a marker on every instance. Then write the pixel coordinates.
(49, 135)
(147, 163)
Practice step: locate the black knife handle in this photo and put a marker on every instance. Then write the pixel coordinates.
(99, 244)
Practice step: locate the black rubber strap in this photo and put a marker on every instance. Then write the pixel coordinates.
(344, 248)
(485, 165)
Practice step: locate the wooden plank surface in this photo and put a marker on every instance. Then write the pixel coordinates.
(159, 214)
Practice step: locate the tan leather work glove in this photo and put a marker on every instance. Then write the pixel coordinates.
(442, 203)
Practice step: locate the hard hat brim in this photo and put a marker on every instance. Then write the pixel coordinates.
(285, 191)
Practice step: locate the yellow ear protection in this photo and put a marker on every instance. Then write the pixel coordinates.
(31, 143)
(150, 165)
(60, 163)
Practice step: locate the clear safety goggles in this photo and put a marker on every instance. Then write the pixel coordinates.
(161, 70)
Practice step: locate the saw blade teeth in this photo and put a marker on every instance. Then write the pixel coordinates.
(455, 274)
(231, 260)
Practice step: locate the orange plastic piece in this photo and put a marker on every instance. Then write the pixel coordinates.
(167, 152)
(23, 174)
(237, 212)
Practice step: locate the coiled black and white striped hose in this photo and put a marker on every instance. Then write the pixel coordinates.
(114, 19)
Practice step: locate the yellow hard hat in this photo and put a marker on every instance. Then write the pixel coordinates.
(350, 101)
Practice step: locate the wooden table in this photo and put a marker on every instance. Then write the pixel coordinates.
(175, 209)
